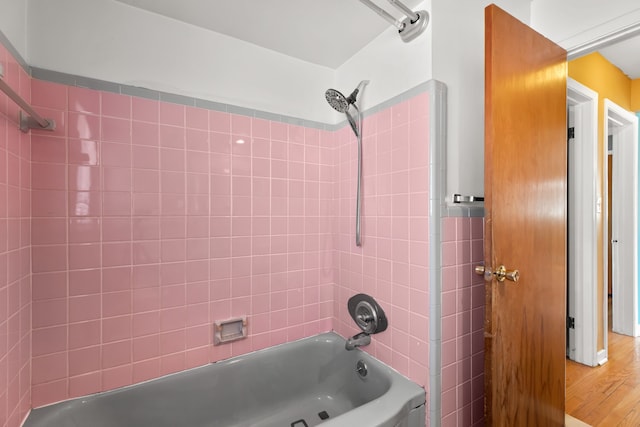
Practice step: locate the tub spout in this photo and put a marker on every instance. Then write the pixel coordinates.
(358, 340)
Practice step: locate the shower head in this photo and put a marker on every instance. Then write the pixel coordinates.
(341, 103)
(337, 100)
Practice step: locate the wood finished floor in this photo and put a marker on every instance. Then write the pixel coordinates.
(607, 395)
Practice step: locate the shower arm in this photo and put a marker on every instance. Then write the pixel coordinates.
(404, 9)
(383, 14)
(409, 28)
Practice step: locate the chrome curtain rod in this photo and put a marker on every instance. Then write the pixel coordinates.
(31, 121)
(410, 27)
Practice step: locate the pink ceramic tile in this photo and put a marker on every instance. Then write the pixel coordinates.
(84, 308)
(83, 100)
(196, 162)
(172, 319)
(197, 118)
(43, 394)
(146, 252)
(197, 140)
(279, 131)
(49, 95)
(146, 323)
(197, 204)
(240, 125)
(83, 126)
(83, 152)
(172, 114)
(146, 228)
(116, 203)
(172, 342)
(84, 282)
(115, 105)
(172, 182)
(172, 160)
(172, 137)
(117, 377)
(116, 303)
(48, 258)
(172, 273)
(49, 286)
(143, 133)
(83, 385)
(116, 130)
(84, 360)
(146, 110)
(146, 299)
(114, 254)
(117, 179)
(146, 347)
(219, 121)
(47, 149)
(197, 249)
(172, 204)
(116, 354)
(145, 181)
(116, 154)
(84, 178)
(48, 176)
(144, 204)
(172, 363)
(49, 368)
(116, 328)
(47, 231)
(84, 334)
(146, 370)
(49, 340)
(84, 256)
(84, 203)
(116, 229)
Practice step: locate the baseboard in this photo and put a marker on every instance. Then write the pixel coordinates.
(602, 357)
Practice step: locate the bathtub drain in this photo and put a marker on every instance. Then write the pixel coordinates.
(323, 415)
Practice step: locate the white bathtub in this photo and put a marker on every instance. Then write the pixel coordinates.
(306, 383)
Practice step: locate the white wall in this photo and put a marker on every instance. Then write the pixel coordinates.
(13, 18)
(143, 49)
(571, 23)
(391, 65)
(458, 61)
(111, 41)
(148, 50)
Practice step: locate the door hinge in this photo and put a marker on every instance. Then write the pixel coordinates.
(571, 323)
(571, 133)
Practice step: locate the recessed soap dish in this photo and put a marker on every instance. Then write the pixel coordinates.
(229, 330)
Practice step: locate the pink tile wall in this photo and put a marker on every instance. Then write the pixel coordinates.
(151, 220)
(463, 301)
(15, 242)
(392, 264)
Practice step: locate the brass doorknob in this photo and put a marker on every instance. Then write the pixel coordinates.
(501, 274)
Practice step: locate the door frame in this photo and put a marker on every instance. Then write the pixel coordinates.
(623, 125)
(584, 207)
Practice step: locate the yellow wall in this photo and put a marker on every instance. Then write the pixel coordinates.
(595, 72)
(635, 95)
(598, 74)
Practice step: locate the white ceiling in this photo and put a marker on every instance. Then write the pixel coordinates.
(323, 32)
(625, 55)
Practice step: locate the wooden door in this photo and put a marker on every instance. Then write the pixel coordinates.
(526, 222)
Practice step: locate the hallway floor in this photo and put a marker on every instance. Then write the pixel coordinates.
(607, 395)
